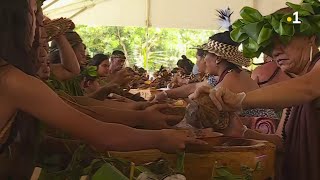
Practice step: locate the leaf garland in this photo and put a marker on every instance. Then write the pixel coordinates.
(256, 32)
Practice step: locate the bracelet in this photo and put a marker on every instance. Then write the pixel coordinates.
(245, 128)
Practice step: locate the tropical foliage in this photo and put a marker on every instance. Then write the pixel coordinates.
(146, 47)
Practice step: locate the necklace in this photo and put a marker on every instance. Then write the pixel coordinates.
(286, 119)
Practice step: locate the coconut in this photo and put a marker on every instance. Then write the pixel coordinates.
(202, 113)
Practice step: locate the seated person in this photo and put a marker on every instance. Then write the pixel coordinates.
(101, 61)
(185, 64)
(268, 73)
(198, 76)
(118, 60)
(69, 67)
(228, 69)
(185, 90)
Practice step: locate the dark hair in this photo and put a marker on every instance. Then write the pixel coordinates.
(141, 70)
(200, 52)
(186, 64)
(224, 38)
(118, 52)
(15, 49)
(98, 59)
(184, 57)
(285, 10)
(14, 35)
(73, 38)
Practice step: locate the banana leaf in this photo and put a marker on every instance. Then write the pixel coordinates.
(107, 171)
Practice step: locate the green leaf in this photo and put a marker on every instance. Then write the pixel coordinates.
(250, 14)
(265, 34)
(307, 7)
(180, 162)
(107, 171)
(315, 21)
(275, 23)
(249, 49)
(141, 169)
(238, 23)
(286, 29)
(237, 35)
(295, 7)
(253, 30)
(305, 27)
(223, 171)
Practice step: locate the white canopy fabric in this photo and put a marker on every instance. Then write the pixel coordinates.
(187, 14)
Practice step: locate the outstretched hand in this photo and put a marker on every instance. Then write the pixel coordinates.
(154, 119)
(173, 141)
(222, 98)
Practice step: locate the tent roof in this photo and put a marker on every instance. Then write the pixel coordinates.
(188, 14)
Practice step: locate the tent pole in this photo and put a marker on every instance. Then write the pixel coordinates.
(147, 31)
(50, 4)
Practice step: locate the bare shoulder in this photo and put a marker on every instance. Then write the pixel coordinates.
(239, 82)
(14, 80)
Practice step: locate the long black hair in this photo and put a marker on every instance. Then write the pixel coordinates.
(15, 49)
(14, 34)
(98, 59)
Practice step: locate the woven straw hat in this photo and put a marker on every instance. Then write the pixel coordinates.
(228, 52)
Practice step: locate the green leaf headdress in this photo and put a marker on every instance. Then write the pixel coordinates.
(256, 32)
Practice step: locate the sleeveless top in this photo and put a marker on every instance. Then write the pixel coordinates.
(263, 113)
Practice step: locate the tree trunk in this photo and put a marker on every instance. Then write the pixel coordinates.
(123, 46)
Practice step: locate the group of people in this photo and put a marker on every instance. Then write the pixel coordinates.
(32, 75)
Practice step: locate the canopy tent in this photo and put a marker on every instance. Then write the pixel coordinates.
(187, 14)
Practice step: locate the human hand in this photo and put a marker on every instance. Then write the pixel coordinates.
(57, 27)
(222, 98)
(173, 141)
(159, 97)
(140, 105)
(235, 127)
(122, 77)
(154, 119)
(111, 88)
